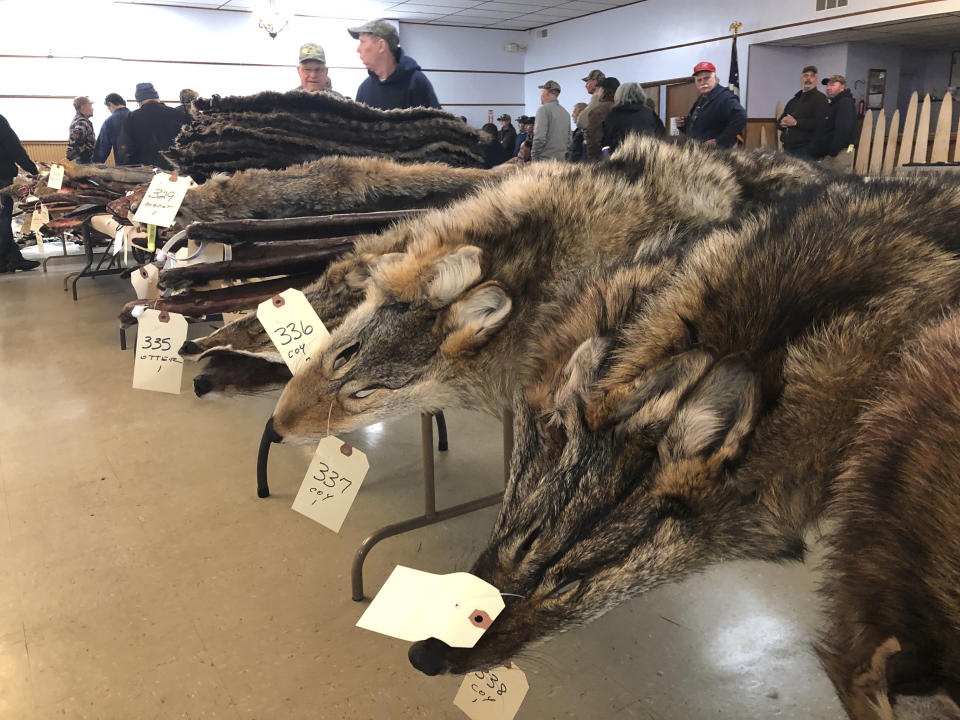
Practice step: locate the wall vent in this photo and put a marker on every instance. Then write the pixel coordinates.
(830, 4)
(543, 32)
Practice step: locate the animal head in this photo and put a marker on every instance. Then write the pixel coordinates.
(590, 519)
(399, 349)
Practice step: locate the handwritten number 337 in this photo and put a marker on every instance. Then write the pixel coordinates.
(292, 327)
(155, 343)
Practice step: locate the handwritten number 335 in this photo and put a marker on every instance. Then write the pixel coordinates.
(155, 343)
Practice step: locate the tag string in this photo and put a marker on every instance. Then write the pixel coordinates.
(329, 412)
(522, 597)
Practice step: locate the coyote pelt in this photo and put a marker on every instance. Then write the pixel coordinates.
(332, 185)
(475, 273)
(893, 570)
(275, 130)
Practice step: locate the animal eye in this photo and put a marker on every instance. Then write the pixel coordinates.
(345, 355)
(360, 394)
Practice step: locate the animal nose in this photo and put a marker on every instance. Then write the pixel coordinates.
(190, 348)
(270, 434)
(201, 386)
(429, 656)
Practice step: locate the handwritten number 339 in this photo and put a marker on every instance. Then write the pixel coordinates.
(292, 327)
(155, 343)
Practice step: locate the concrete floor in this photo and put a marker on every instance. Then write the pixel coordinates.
(140, 576)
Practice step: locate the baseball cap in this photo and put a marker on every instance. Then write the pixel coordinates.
(610, 83)
(704, 66)
(379, 28)
(834, 78)
(551, 86)
(504, 117)
(595, 75)
(810, 68)
(312, 51)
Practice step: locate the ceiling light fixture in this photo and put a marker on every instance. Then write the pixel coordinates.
(273, 18)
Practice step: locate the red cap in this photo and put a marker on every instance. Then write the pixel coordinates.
(701, 66)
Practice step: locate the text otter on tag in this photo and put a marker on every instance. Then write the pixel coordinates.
(293, 326)
(331, 483)
(492, 694)
(162, 200)
(158, 364)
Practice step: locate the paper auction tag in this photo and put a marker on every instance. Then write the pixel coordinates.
(144, 280)
(415, 605)
(40, 218)
(158, 365)
(55, 178)
(331, 483)
(162, 200)
(293, 326)
(493, 694)
(39, 237)
(118, 240)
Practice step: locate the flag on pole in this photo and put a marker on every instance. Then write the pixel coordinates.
(734, 82)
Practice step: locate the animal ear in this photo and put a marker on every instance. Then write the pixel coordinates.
(717, 416)
(583, 368)
(453, 275)
(472, 321)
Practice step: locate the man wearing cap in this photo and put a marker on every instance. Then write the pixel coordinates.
(551, 129)
(149, 130)
(525, 124)
(313, 69)
(835, 137)
(800, 116)
(592, 85)
(394, 79)
(507, 135)
(717, 117)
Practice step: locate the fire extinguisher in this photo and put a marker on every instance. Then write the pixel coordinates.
(861, 108)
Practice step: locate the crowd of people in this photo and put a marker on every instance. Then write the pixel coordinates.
(814, 125)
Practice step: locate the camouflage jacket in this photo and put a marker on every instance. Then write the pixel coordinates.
(82, 139)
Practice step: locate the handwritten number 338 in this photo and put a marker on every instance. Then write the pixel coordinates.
(292, 327)
(155, 343)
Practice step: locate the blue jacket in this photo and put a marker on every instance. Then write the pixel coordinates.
(720, 118)
(406, 87)
(109, 135)
(521, 137)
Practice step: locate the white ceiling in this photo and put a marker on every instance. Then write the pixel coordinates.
(507, 15)
(937, 32)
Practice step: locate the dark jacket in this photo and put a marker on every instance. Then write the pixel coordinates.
(593, 129)
(406, 87)
(493, 154)
(837, 128)
(12, 153)
(109, 137)
(147, 132)
(629, 118)
(807, 108)
(717, 116)
(508, 138)
(520, 139)
(82, 139)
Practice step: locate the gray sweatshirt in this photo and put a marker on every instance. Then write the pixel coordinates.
(551, 132)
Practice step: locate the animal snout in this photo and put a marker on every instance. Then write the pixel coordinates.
(429, 656)
(190, 348)
(201, 385)
(270, 434)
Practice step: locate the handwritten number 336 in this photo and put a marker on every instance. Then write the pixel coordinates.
(155, 343)
(292, 327)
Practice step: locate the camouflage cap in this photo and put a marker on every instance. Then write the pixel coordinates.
(504, 117)
(551, 86)
(312, 51)
(595, 75)
(378, 28)
(834, 78)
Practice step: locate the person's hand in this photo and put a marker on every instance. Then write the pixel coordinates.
(788, 121)
(711, 143)
(681, 121)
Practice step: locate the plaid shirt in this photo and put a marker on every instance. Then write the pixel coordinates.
(82, 139)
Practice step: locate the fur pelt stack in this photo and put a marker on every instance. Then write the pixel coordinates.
(275, 130)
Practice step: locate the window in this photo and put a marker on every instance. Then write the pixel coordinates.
(830, 4)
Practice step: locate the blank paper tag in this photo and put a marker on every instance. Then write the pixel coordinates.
(144, 280)
(162, 200)
(39, 237)
(293, 326)
(415, 605)
(158, 365)
(40, 218)
(331, 483)
(55, 179)
(493, 694)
